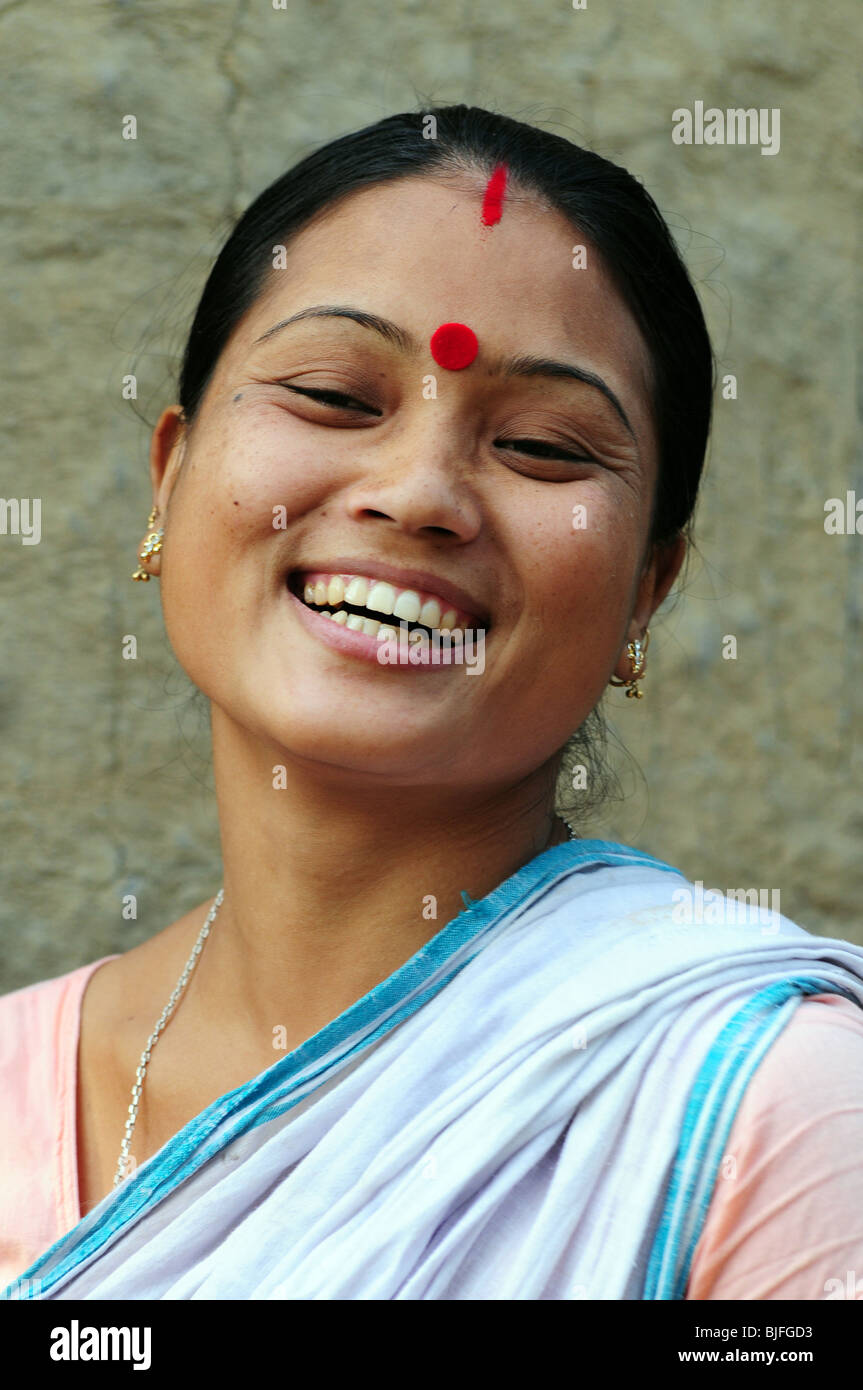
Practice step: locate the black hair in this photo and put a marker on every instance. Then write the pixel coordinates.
(603, 202)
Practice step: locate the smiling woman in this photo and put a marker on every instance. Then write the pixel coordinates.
(421, 1044)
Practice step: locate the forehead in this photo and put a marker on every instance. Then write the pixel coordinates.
(416, 251)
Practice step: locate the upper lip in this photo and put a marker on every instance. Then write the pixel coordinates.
(401, 579)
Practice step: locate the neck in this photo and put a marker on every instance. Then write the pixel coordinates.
(332, 883)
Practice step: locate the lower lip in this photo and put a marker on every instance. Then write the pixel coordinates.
(357, 644)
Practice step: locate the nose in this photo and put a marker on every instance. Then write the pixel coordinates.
(419, 485)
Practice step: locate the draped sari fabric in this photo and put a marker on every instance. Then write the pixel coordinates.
(533, 1106)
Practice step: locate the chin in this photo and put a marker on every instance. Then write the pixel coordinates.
(310, 732)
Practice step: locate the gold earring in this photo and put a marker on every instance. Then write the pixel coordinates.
(152, 545)
(637, 653)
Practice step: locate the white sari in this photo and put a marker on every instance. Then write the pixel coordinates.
(534, 1106)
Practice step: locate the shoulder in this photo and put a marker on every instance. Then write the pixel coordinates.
(41, 1025)
(786, 1217)
(33, 1019)
(814, 1068)
(39, 1028)
(38, 1044)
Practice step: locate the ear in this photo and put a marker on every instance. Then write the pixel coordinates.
(167, 449)
(660, 572)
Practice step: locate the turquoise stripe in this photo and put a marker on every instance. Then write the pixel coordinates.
(280, 1087)
(716, 1094)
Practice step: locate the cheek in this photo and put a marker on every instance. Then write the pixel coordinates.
(571, 593)
(243, 486)
(262, 458)
(578, 601)
(219, 557)
(584, 553)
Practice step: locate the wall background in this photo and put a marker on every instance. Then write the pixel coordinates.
(746, 773)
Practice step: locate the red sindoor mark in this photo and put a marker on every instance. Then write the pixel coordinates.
(492, 203)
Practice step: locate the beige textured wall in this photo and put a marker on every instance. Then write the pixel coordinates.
(751, 767)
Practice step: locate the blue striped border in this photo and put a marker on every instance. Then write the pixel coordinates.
(712, 1106)
(281, 1086)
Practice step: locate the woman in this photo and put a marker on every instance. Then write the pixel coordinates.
(447, 376)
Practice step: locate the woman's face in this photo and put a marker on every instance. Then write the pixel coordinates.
(518, 498)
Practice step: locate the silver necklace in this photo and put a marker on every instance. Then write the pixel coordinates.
(123, 1161)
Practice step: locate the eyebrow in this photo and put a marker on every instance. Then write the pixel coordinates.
(522, 365)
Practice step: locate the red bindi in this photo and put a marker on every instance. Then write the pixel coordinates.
(454, 346)
(492, 203)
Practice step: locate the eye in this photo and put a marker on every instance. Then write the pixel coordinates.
(544, 449)
(334, 398)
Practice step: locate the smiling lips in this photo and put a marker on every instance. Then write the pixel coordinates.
(353, 600)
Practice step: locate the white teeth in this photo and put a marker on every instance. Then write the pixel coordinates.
(370, 627)
(326, 613)
(381, 598)
(341, 617)
(385, 633)
(357, 591)
(430, 613)
(407, 606)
